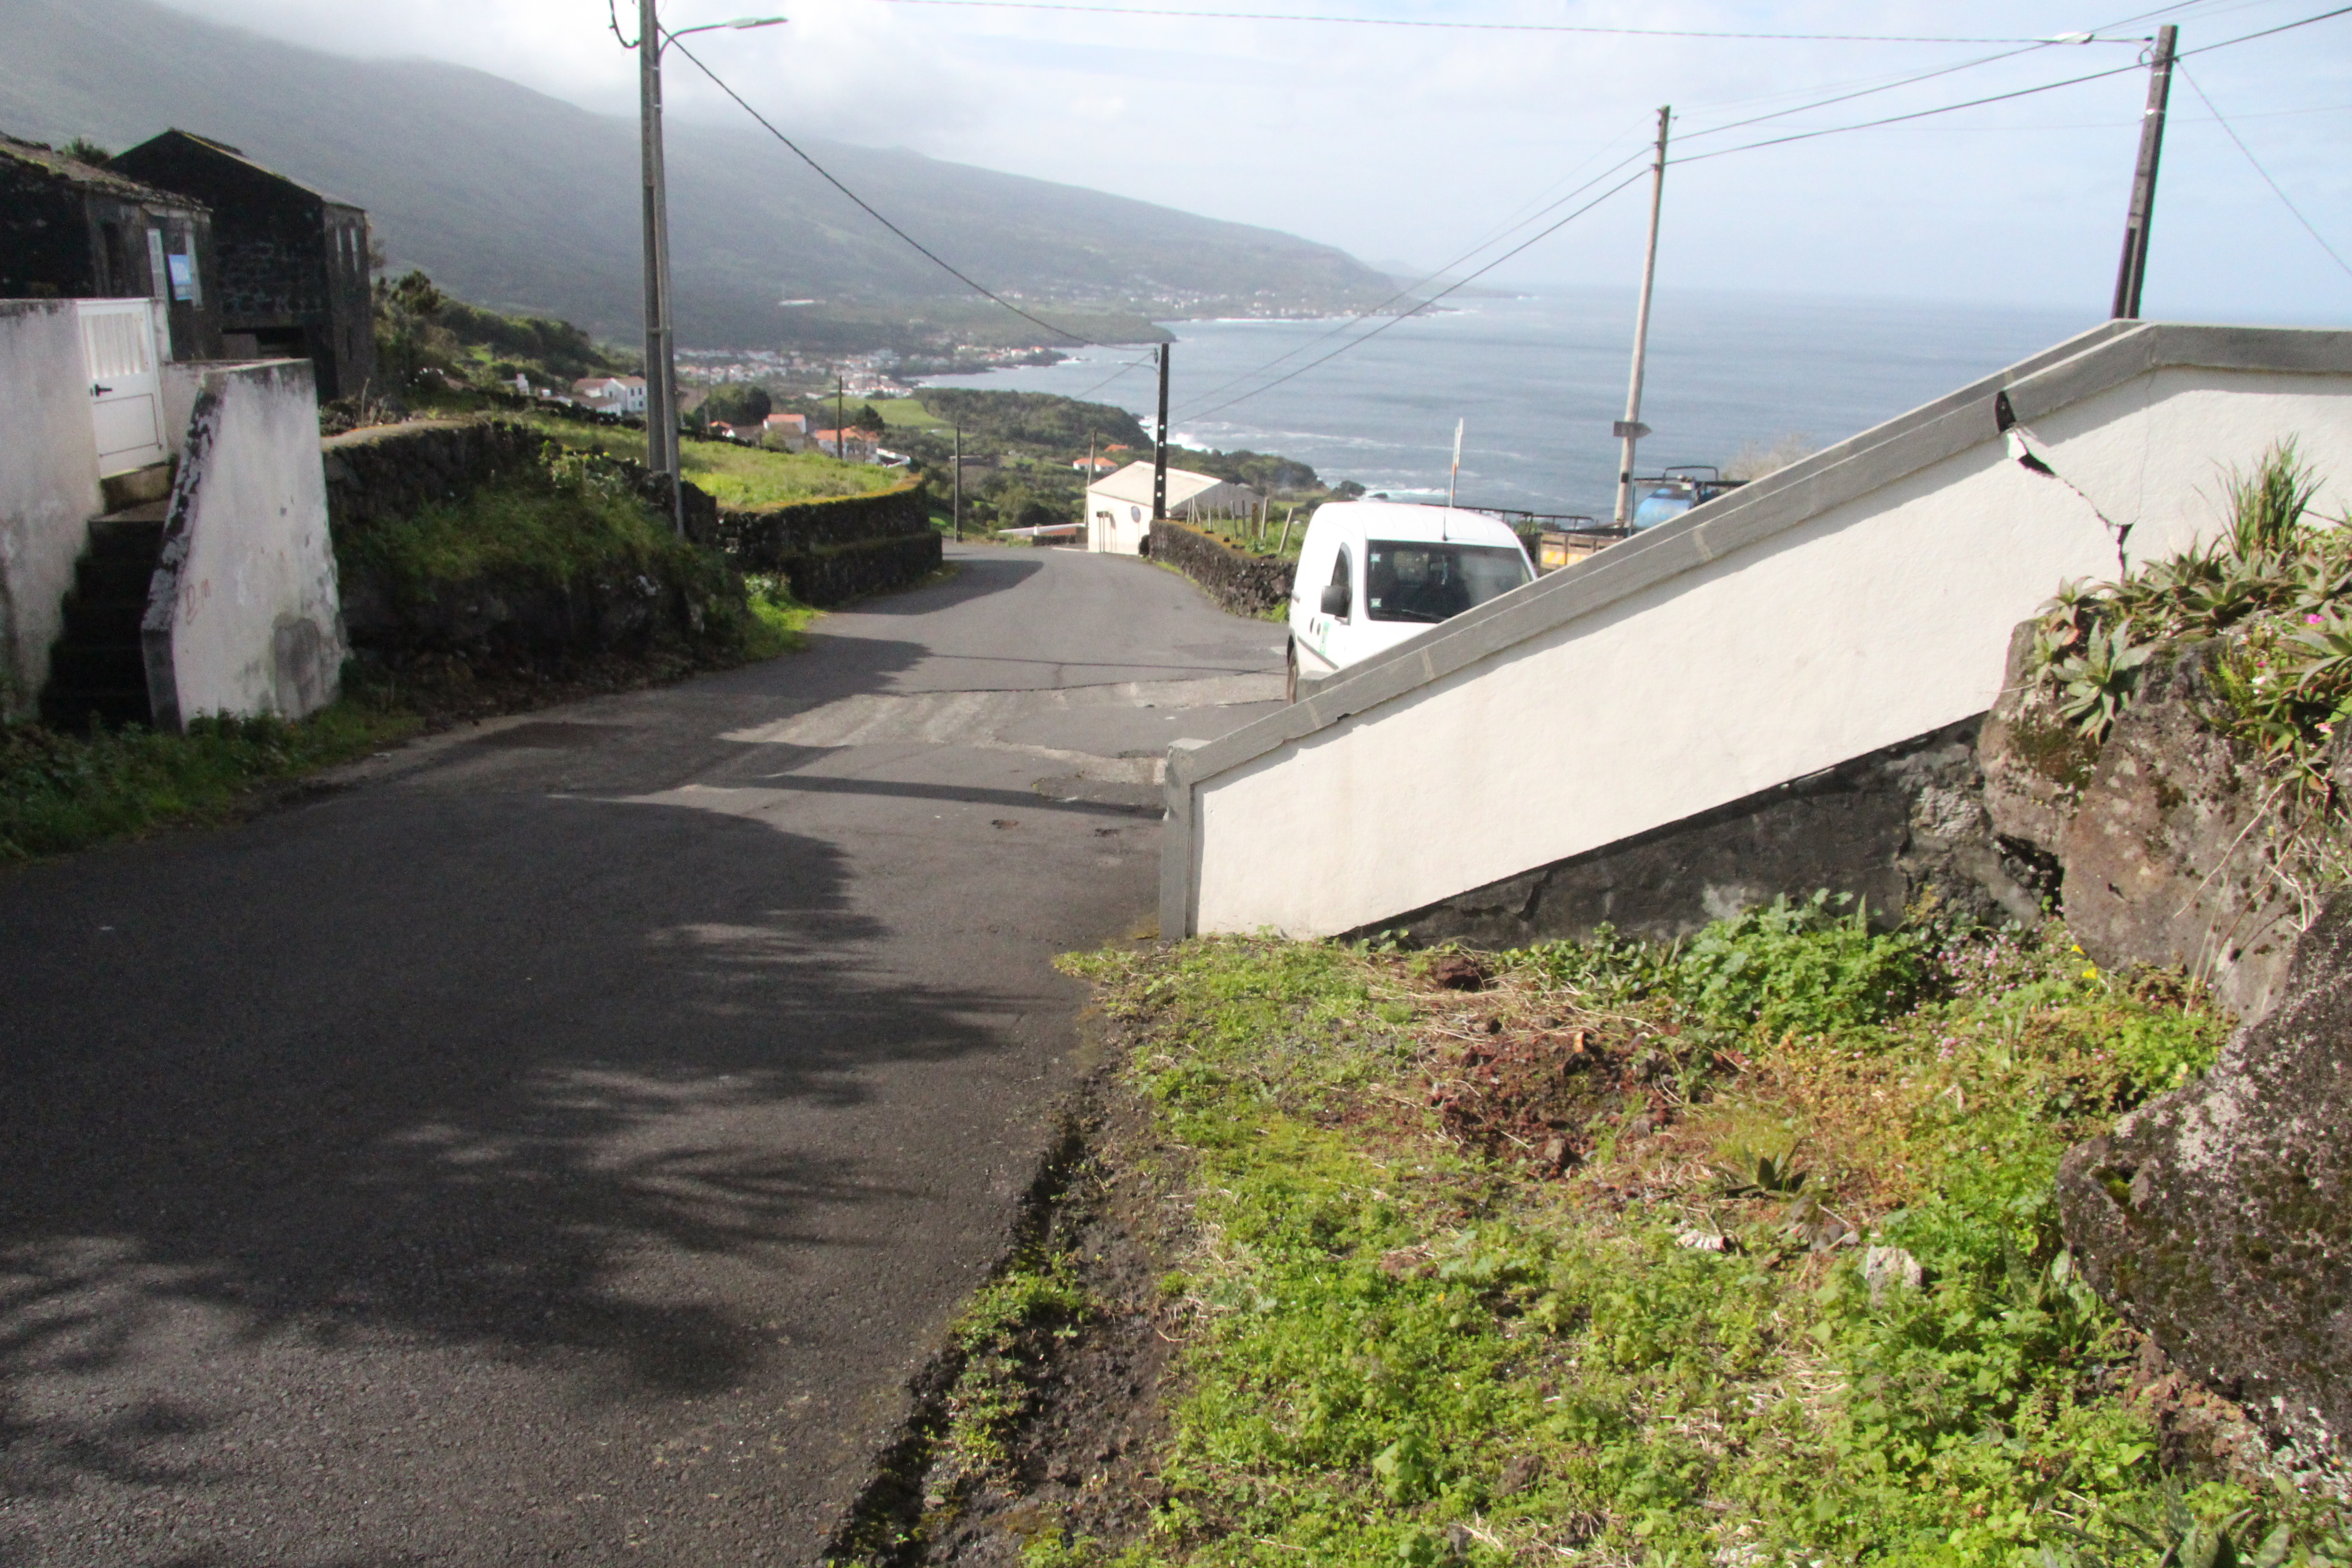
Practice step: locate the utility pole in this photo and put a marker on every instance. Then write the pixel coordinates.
(840, 434)
(2133, 272)
(661, 380)
(1631, 429)
(1159, 446)
(958, 502)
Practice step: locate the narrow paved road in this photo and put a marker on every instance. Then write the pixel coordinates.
(562, 1145)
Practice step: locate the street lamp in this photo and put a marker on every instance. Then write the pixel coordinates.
(661, 364)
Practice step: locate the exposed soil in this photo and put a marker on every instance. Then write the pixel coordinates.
(1086, 1462)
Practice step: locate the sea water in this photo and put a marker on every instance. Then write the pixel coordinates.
(1537, 381)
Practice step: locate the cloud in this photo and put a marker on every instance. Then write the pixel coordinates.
(1422, 140)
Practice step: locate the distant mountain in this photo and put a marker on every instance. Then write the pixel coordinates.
(515, 199)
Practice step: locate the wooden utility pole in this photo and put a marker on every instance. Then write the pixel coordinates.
(2133, 272)
(1159, 446)
(1631, 429)
(958, 502)
(840, 436)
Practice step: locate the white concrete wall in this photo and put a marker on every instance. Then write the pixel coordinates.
(1125, 534)
(1828, 632)
(244, 618)
(49, 486)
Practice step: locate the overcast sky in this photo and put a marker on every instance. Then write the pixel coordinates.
(1414, 144)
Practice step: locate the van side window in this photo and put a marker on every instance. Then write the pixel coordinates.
(1339, 580)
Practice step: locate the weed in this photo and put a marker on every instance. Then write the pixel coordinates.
(1403, 1345)
(61, 792)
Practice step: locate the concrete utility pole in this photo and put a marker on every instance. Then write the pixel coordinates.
(661, 339)
(2134, 270)
(1631, 429)
(957, 504)
(840, 433)
(1159, 446)
(661, 381)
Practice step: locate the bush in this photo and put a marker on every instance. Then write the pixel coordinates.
(1802, 966)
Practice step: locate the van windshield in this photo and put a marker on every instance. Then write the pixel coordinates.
(1431, 583)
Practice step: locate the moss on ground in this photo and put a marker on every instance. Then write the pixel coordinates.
(1783, 1284)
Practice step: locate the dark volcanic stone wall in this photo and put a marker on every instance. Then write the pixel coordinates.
(836, 550)
(1240, 585)
(1888, 827)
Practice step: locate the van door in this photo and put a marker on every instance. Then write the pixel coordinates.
(126, 388)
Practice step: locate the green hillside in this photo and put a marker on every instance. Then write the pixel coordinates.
(524, 202)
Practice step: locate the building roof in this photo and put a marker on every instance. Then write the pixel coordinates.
(226, 153)
(91, 176)
(1133, 483)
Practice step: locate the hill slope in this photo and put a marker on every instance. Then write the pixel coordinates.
(518, 199)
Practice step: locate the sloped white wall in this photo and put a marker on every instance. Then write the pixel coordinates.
(246, 618)
(1877, 620)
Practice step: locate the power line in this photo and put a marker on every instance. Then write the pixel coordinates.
(1485, 26)
(2001, 97)
(2275, 189)
(925, 251)
(1462, 282)
(1410, 290)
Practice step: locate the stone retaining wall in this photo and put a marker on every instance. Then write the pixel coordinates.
(1240, 585)
(385, 471)
(836, 548)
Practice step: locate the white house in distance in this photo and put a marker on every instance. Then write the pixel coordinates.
(1119, 507)
(611, 393)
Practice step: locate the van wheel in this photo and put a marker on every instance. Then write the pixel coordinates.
(1290, 671)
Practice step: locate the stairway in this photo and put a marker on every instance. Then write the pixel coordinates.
(97, 670)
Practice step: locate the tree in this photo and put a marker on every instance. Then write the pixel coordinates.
(738, 403)
(867, 418)
(82, 149)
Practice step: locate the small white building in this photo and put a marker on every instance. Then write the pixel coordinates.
(611, 393)
(1119, 507)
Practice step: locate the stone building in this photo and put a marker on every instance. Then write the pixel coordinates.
(293, 274)
(71, 230)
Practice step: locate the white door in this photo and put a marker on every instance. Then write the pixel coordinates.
(126, 391)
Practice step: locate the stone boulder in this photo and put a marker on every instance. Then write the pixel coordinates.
(2164, 837)
(2219, 1217)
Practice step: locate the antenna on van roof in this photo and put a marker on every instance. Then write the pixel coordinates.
(1451, 479)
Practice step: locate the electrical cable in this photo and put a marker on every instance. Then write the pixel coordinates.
(1413, 289)
(1462, 282)
(935, 260)
(1482, 26)
(2001, 97)
(2275, 190)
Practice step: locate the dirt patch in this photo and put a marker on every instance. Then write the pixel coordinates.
(1082, 1460)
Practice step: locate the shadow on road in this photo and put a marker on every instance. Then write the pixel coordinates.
(463, 1070)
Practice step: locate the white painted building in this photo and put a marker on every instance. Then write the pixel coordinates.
(611, 393)
(1855, 600)
(1119, 507)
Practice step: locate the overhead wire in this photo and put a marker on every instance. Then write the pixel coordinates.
(1078, 339)
(2276, 190)
(1592, 31)
(1458, 283)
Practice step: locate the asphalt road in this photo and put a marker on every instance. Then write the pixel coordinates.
(563, 1144)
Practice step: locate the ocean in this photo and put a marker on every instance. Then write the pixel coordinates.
(1537, 380)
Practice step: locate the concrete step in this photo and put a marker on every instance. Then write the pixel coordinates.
(151, 484)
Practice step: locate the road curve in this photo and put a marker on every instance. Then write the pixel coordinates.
(561, 1144)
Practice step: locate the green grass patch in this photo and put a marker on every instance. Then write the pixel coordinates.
(548, 529)
(1410, 1342)
(778, 621)
(738, 477)
(62, 792)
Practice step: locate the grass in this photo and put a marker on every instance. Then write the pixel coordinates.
(738, 477)
(1737, 1253)
(62, 792)
(905, 413)
(548, 531)
(780, 622)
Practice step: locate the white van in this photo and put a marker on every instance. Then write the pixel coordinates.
(1373, 574)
